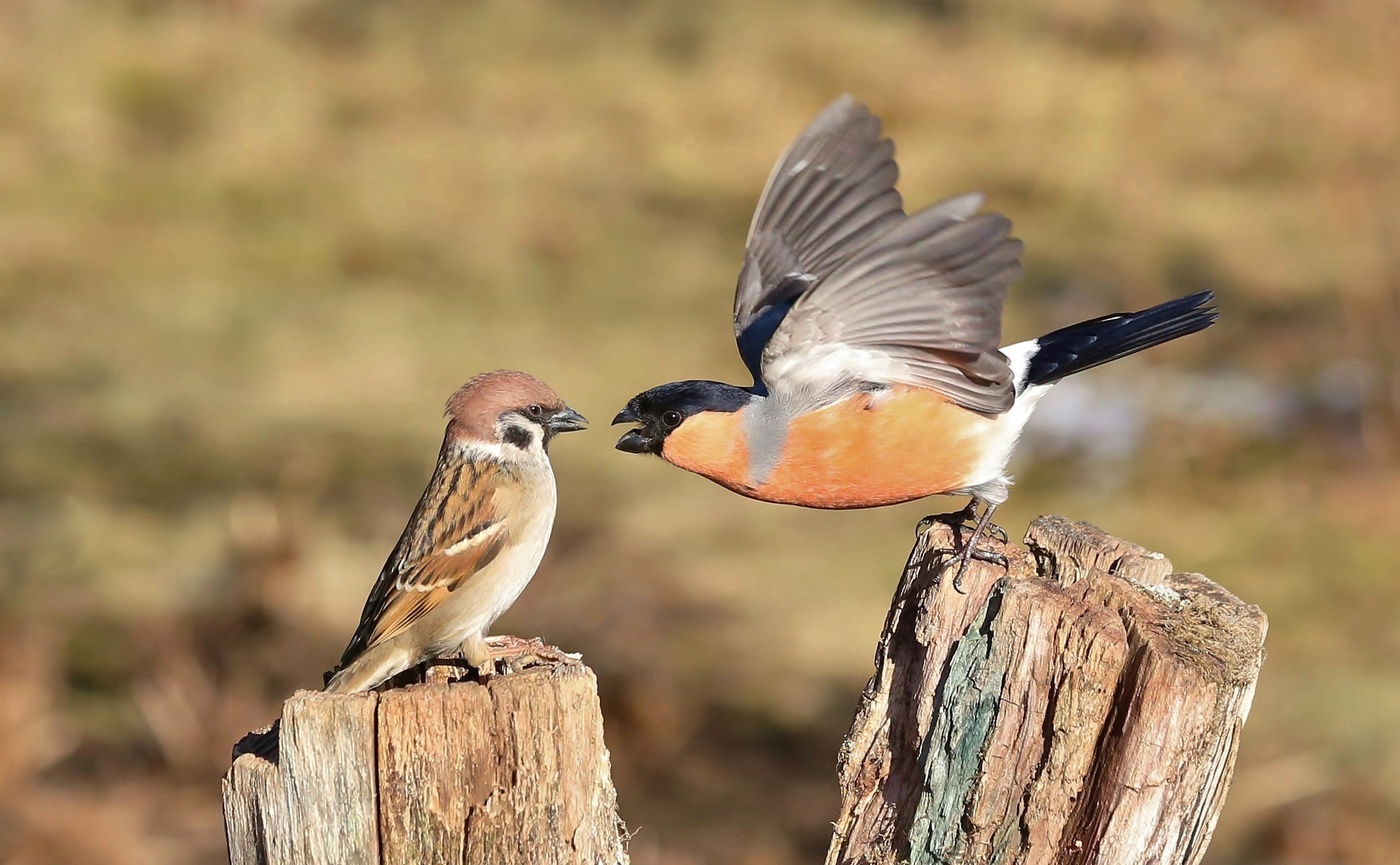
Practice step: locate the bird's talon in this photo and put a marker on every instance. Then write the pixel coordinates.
(990, 557)
(963, 516)
(998, 532)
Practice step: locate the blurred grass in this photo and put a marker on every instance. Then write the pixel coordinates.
(247, 248)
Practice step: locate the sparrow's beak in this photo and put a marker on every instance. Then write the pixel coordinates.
(567, 420)
(626, 416)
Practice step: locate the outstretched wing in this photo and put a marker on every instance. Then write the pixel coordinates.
(830, 194)
(920, 306)
(839, 286)
(458, 528)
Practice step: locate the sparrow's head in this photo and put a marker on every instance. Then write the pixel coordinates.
(510, 408)
(662, 410)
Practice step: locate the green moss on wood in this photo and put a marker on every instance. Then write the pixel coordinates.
(951, 755)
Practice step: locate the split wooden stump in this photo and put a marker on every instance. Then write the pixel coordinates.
(510, 772)
(1081, 705)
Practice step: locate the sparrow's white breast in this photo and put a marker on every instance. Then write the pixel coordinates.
(489, 592)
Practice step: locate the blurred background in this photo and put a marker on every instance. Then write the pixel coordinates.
(248, 248)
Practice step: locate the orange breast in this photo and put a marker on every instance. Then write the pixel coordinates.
(861, 452)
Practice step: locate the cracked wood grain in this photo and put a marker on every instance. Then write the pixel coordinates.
(1080, 706)
(446, 771)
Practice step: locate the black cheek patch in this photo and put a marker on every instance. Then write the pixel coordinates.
(518, 436)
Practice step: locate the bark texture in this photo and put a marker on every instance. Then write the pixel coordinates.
(511, 771)
(1082, 704)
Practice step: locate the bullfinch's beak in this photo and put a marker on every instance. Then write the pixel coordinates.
(633, 441)
(567, 420)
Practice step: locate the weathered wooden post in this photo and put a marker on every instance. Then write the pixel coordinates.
(510, 772)
(1081, 705)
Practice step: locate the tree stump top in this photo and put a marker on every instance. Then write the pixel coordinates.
(1082, 704)
(513, 770)
(1200, 621)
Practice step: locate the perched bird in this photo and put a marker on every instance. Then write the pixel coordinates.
(475, 538)
(872, 337)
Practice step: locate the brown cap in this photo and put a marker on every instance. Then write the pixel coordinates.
(476, 406)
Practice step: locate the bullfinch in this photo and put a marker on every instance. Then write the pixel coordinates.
(873, 338)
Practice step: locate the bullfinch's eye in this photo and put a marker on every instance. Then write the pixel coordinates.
(534, 410)
(671, 418)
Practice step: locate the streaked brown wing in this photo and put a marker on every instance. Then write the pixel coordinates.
(458, 528)
(431, 581)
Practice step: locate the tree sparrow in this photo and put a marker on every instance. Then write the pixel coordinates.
(475, 538)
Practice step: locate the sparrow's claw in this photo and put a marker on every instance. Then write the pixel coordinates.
(479, 657)
(997, 532)
(515, 654)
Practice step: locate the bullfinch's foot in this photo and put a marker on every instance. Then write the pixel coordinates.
(971, 550)
(967, 514)
(968, 517)
(990, 530)
(971, 553)
(991, 557)
(958, 577)
(964, 517)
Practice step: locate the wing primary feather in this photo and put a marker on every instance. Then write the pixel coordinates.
(829, 194)
(832, 264)
(926, 297)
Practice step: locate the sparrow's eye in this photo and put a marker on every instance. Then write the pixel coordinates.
(534, 410)
(671, 418)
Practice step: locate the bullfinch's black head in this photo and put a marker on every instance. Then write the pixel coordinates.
(659, 411)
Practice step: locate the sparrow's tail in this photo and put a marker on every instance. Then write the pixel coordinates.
(368, 670)
(1097, 341)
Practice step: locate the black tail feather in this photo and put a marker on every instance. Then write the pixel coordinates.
(1090, 343)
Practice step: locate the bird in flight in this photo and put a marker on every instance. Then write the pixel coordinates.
(873, 338)
(475, 538)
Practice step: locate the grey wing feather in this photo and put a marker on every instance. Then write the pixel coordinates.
(927, 296)
(830, 194)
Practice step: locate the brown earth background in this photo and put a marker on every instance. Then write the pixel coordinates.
(247, 249)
